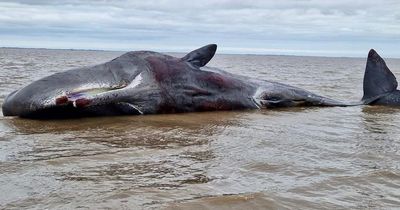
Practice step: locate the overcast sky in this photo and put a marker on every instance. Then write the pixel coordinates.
(298, 27)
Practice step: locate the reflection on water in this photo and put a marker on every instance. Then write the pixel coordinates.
(333, 158)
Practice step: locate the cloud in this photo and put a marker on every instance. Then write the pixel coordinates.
(294, 26)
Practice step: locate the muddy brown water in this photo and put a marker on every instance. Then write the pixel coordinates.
(307, 158)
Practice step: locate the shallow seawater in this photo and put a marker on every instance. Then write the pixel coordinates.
(289, 158)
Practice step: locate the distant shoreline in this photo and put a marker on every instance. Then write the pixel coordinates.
(181, 52)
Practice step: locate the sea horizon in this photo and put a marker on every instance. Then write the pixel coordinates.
(183, 52)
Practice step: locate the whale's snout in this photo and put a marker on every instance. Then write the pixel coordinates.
(31, 98)
(8, 106)
(18, 103)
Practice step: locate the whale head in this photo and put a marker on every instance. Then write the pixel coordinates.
(134, 83)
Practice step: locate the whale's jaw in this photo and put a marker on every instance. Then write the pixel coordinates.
(37, 100)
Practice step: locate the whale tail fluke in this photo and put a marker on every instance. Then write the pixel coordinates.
(378, 79)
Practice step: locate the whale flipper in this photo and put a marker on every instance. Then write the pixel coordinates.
(378, 79)
(200, 57)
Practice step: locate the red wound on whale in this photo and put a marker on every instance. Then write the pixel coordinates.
(61, 100)
(82, 102)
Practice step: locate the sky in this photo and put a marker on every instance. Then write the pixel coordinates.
(286, 27)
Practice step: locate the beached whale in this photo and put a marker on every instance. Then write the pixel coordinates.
(380, 84)
(144, 82)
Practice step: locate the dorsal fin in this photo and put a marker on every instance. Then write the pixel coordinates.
(378, 79)
(201, 56)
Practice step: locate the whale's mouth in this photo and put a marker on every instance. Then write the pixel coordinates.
(87, 103)
(97, 98)
(81, 98)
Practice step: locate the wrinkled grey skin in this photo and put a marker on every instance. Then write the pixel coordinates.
(380, 85)
(144, 82)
